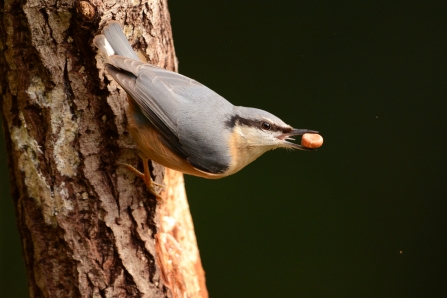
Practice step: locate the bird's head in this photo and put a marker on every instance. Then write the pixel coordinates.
(263, 131)
(254, 132)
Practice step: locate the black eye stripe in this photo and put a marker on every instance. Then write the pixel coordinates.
(231, 122)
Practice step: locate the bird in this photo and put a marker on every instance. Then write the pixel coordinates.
(182, 124)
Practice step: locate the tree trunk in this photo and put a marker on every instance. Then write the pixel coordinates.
(89, 228)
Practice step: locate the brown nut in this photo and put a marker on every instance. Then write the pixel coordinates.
(311, 140)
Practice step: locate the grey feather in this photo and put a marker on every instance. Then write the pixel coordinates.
(179, 107)
(115, 36)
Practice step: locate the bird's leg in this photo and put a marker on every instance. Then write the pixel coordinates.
(146, 176)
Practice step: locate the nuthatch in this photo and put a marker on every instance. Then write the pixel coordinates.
(183, 125)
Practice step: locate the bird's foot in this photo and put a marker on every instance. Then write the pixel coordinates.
(146, 178)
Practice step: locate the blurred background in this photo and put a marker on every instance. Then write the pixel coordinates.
(365, 215)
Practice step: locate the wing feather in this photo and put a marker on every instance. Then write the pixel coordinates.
(175, 103)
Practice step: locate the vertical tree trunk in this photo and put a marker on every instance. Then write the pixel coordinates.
(88, 227)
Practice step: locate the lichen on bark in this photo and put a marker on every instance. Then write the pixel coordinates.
(88, 226)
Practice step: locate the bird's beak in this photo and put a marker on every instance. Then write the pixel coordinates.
(295, 132)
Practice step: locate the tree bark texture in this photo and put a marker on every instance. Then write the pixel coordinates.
(89, 228)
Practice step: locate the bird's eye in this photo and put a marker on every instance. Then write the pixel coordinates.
(266, 126)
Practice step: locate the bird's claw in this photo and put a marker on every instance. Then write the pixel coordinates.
(146, 178)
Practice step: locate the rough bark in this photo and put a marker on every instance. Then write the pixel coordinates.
(89, 228)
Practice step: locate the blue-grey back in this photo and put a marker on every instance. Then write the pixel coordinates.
(189, 116)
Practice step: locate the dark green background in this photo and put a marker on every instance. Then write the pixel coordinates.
(371, 77)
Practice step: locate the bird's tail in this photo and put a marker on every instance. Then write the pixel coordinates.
(114, 42)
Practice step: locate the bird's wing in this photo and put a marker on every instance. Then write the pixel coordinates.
(170, 100)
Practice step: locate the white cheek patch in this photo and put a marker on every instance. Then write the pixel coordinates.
(249, 133)
(239, 131)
